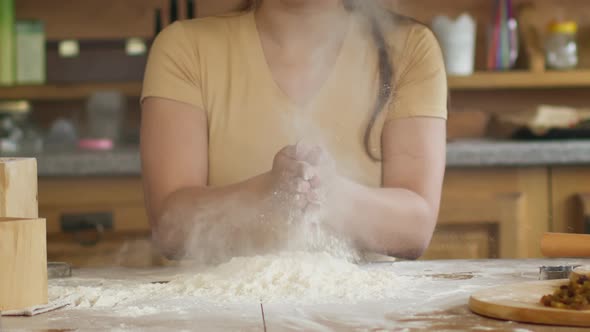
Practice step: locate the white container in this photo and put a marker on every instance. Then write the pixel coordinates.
(457, 41)
(105, 112)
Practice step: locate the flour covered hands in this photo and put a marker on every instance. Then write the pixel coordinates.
(294, 178)
(321, 177)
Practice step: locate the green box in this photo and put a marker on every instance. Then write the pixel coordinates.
(7, 43)
(30, 52)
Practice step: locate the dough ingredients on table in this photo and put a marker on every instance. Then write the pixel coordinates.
(315, 267)
(288, 277)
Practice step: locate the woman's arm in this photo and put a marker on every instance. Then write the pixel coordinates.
(190, 218)
(399, 218)
(174, 152)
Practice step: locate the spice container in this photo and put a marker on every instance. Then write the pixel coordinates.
(561, 47)
(17, 135)
(105, 111)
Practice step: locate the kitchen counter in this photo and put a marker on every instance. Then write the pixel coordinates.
(482, 153)
(439, 302)
(476, 153)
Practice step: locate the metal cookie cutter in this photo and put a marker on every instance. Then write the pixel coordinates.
(556, 272)
(56, 270)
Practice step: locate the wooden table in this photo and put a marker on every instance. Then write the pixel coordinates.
(439, 304)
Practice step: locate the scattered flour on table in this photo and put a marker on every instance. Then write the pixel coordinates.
(293, 277)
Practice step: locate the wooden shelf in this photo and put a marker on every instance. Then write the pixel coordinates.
(521, 80)
(477, 81)
(67, 91)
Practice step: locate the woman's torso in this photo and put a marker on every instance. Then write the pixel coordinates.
(250, 118)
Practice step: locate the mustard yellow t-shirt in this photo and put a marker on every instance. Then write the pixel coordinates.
(218, 65)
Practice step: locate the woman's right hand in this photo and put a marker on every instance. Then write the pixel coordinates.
(292, 177)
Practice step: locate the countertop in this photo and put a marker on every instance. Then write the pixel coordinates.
(439, 302)
(474, 153)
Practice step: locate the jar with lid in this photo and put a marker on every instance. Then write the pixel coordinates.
(561, 46)
(17, 135)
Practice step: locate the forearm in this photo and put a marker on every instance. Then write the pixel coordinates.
(395, 221)
(215, 222)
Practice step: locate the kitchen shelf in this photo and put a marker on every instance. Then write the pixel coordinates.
(521, 80)
(67, 91)
(477, 81)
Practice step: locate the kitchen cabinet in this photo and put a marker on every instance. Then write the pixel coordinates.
(570, 191)
(485, 213)
(97, 221)
(491, 213)
(121, 197)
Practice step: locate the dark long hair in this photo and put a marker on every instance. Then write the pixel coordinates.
(376, 19)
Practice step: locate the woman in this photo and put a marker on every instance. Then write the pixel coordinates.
(226, 100)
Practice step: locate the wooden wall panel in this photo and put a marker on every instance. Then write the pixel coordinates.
(214, 7)
(92, 19)
(495, 101)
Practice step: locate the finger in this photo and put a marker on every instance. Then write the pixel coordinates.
(312, 208)
(302, 150)
(289, 151)
(314, 156)
(313, 197)
(295, 185)
(315, 182)
(302, 170)
(299, 201)
(302, 186)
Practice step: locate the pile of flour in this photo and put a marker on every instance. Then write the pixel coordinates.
(289, 277)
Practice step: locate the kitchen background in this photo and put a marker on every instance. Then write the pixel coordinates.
(519, 79)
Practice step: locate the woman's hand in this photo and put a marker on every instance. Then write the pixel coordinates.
(292, 177)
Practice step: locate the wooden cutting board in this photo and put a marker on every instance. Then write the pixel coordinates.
(520, 303)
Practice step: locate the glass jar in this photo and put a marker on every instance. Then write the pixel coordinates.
(561, 47)
(17, 135)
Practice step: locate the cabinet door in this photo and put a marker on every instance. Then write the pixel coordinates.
(570, 188)
(463, 242)
(126, 250)
(119, 197)
(104, 19)
(98, 221)
(490, 213)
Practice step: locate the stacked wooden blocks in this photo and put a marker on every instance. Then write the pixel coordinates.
(23, 248)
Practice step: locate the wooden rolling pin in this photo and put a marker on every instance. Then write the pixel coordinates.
(555, 245)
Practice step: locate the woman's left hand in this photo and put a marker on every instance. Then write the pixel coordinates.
(324, 173)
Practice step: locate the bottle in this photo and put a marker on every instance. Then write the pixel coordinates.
(561, 46)
(105, 111)
(503, 40)
(457, 41)
(7, 41)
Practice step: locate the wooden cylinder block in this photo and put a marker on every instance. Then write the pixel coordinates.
(23, 263)
(561, 245)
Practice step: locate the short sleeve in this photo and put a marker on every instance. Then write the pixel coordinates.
(420, 88)
(172, 70)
